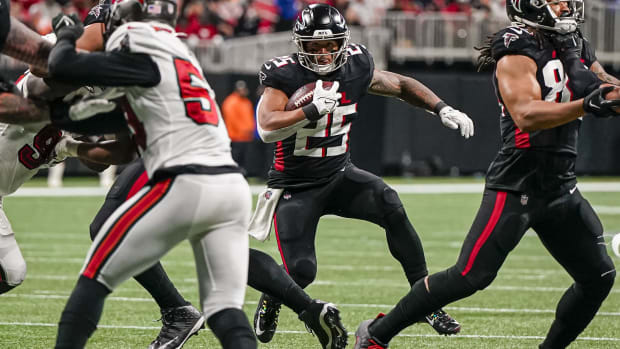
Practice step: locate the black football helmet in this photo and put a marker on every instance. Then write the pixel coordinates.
(538, 14)
(124, 11)
(319, 22)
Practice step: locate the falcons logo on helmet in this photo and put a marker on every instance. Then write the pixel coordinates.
(509, 37)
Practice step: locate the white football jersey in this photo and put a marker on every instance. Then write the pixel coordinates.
(24, 149)
(178, 121)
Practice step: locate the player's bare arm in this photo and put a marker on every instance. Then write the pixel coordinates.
(15, 109)
(598, 69)
(24, 44)
(110, 152)
(516, 76)
(410, 90)
(271, 113)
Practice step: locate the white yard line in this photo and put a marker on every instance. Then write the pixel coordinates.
(445, 188)
(406, 335)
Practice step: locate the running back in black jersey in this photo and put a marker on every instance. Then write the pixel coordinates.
(543, 161)
(320, 149)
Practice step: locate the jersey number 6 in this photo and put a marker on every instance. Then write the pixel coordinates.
(199, 105)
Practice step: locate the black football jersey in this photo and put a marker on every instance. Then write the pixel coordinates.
(320, 149)
(97, 13)
(539, 162)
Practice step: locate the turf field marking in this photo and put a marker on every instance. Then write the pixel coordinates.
(49, 295)
(406, 335)
(445, 188)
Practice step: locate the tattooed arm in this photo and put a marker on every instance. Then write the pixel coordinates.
(598, 69)
(15, 109)
(390, 84)
(26, 45)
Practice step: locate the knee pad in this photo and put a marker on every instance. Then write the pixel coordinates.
(303, 272)
(449, 285)
(390, 201)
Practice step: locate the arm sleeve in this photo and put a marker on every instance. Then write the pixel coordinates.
(587, 54)
(114, 68)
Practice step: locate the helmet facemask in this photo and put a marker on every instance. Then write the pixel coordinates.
(548, 20)
(311, 60)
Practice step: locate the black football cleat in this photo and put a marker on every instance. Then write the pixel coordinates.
(363, 339)
(443, 323)
(323, 320)
(266, 318)
(178, 325)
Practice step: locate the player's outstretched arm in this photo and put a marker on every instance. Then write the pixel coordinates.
(598, 69)
(516, 77)
(25, 45)
(410, 90)
(15, 109)
(110, 152)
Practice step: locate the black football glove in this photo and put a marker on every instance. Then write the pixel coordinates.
(567, 45)
(596, 104)
(67, 27)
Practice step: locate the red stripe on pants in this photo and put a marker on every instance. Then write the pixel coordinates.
(137, 185)
(500, 200)
(122, 225)
(275, 225)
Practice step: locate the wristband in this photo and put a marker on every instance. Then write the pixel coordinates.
(311, 112)
(440, 105)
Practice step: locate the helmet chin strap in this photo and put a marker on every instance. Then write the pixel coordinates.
(562, 26)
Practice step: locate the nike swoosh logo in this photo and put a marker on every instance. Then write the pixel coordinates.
(168, 345)
(259, 331)
(572, 190)
(593, 106)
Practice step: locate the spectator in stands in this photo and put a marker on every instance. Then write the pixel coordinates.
(238, 114)
(41, 15)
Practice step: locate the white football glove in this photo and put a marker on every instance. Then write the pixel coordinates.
(94, 105)
(326, 101)
(615, 244)
(65, 148)
(455, 119)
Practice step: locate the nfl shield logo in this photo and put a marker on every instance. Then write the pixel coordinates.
(286, 195)
(524, 199)
(268, 195)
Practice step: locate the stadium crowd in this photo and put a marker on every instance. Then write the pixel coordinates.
(207, 19)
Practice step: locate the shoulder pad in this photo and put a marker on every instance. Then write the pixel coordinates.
(141, 37)
(514, 41)
(97, 14)
(275, 71)
(361, 56)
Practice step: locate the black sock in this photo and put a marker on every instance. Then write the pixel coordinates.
(405, 245)
(232, 328)
(267, 276)
(156, 282)
(81, 314)
(409, 310)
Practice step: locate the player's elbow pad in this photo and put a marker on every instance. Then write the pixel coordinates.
(281, 133)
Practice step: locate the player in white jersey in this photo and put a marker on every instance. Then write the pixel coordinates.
(24, 149)
(195, 192)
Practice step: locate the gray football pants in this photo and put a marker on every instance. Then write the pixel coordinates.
(211, 211)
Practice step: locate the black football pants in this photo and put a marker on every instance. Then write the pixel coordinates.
(353, 193)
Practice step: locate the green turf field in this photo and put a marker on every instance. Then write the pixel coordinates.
(356, 272)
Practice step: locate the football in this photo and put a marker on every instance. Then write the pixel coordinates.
(303, 95)
(615, 244)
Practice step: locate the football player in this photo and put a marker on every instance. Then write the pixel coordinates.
(531, 183)
(312, 171)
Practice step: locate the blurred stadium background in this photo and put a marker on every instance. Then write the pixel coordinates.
(431, 40)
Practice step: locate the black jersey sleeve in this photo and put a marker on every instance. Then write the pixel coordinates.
(514, 41)
(115, 68)
(363, 65)
(283, 73)
(587, 54)
(97, 14)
